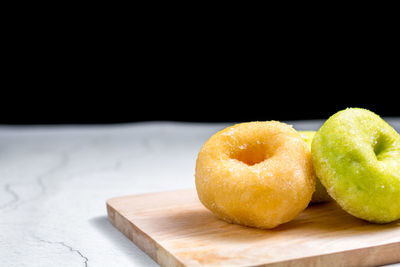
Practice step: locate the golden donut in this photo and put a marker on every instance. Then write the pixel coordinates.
(257, 174)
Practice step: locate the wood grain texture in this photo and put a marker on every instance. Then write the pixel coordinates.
(176, 230)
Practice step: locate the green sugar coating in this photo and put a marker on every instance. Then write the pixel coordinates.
(320, 194)
(356, 155)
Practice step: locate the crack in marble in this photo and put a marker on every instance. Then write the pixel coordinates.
(15, 203)
(39, 179)
(144, 144)
(15, 197)
(85, 262)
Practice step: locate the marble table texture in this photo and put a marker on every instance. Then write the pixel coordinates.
(54, 182)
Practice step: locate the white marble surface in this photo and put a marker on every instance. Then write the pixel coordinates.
(54, 182)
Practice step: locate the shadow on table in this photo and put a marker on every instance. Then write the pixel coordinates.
(121, 242)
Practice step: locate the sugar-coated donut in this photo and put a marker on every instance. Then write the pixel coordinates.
(257, 174)
(356, 155)
(320, 195)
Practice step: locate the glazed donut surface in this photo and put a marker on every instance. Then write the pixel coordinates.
(356, 155)
(257, 174)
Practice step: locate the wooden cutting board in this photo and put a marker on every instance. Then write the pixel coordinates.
(176, 230)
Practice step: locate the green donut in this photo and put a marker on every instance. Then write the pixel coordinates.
(356, 155)
(320, 195)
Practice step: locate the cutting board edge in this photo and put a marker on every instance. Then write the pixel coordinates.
(147, 244)
(346, 258)
(368, 256)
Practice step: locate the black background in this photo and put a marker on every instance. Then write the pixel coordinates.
(77, 93)
(65, 106)
(157, 74)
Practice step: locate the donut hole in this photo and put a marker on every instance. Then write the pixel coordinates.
(250, 155)
(380, 146)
